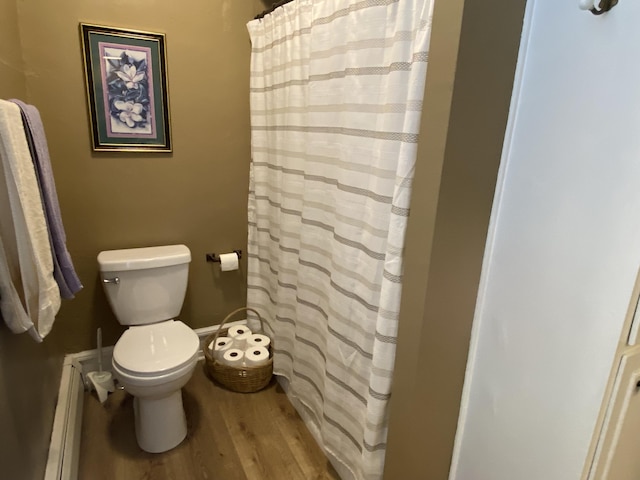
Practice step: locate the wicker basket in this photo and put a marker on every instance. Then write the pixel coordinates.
(238, 379)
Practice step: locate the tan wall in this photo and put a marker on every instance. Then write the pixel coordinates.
(12, 81)
(466, 108)
(197, 195)
(29, 372)
(29, 379)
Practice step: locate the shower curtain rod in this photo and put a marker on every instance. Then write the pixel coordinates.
(272, 8)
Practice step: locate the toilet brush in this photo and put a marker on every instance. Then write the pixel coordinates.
(101, 381)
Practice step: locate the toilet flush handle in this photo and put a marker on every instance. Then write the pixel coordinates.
(114, 280)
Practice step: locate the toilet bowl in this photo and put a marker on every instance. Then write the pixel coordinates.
(153, 363)
(155, 357)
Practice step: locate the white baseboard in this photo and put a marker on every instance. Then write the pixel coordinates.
(64, 448)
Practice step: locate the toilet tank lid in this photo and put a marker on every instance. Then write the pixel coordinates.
(142, 258)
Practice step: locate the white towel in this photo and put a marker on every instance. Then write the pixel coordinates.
(27, 252)
(11, 308)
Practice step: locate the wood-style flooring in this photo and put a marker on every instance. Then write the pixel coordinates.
(231, 436)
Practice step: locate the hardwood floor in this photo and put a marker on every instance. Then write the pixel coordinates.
(232, 436)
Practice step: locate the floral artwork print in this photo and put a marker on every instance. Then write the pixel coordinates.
(127, 91)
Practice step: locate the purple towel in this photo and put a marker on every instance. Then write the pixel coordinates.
(63, 271)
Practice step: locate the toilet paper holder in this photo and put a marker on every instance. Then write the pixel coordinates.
(212, 257)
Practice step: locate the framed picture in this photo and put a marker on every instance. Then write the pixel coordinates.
(126, 77)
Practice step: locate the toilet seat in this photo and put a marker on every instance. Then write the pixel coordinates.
(159, 350)
(129, 378)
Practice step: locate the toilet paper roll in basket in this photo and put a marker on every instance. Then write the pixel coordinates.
(222, 344)
(238, 330)
(256, 357)
(233, 357)
(240, 334)
(258, 340)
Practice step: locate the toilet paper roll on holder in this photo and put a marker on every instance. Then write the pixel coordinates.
(212, 257)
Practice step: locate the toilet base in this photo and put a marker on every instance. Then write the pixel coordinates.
(161, 423)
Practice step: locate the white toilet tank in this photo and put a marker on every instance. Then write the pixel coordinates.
(145, 285)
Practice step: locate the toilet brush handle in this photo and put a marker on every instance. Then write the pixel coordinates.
(99, 345)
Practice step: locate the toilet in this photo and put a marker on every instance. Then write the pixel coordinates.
(155, 357)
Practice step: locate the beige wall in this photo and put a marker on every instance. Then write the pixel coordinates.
(29, 372)
(196, 195)
(469, 83)
(29, 379)
(12, 81)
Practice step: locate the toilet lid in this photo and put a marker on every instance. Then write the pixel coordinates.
(157, 348)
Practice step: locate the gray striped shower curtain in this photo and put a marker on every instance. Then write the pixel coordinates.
(336, 97)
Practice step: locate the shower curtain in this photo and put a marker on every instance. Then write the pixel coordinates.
(336, 97)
